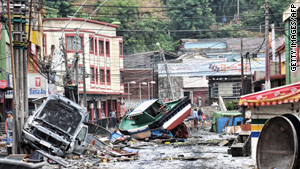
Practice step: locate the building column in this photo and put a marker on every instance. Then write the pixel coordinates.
(99, 109)
(111, 105)
(209, 94)
(118, 111)
(106, 108)
(92, 112)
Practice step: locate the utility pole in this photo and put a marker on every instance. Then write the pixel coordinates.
(25, 61)
(238, 11)
(15, 100)
(267, 79)
(242, 68)
(18, 47)
(273, 43)
(252, 87)
(76, 59)
(83, 78)
(167, 72)
(68, 79)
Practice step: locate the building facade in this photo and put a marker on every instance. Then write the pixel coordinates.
(103, 51)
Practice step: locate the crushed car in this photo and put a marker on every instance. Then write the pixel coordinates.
(57, 127)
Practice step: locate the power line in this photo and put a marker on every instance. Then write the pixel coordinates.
(74, 14)
(162, 7)
(90, 16)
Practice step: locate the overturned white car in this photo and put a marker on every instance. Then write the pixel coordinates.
(57, 127)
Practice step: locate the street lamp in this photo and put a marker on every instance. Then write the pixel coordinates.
(152, 82)
(132, 82)
(140, 85)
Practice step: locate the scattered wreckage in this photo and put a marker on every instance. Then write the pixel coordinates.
(57, 127)
(154, 114)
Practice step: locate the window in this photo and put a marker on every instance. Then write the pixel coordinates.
(107, 48)
(108, 76)
(102, 76)
(101, 47)
(38, 51)
(82, 134)
(96, 48)
(187, 94)
(80, 73)
(121, 48)
(92, 74)
(121, 76)
(72, 43)
(91, 45)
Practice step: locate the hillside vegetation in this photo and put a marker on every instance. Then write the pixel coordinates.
(146, 22)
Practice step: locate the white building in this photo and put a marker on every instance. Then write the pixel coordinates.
(103, 61)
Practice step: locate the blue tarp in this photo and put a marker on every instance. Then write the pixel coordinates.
(161, 133)
(221, 122)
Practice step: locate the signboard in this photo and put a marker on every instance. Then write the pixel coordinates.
(209, 68)
(37, 87)
(10, 79)
(3, 84)
(283, 94)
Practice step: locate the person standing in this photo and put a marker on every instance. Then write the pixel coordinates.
(9, 126)
(195, 117)
(200, 114)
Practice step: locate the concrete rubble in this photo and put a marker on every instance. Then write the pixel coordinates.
(103, 148)
(203, 149)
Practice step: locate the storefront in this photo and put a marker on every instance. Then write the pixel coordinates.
(37, 88)
(269, 103)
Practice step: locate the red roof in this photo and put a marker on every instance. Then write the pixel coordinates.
(81, 19)
(283, 94)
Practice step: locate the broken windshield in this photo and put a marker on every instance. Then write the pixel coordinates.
(61, 115)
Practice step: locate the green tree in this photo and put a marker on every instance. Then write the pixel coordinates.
(132, 18)
(254, 16)
(225, 8)
(190, 15)
(232, 105)
(64, 7)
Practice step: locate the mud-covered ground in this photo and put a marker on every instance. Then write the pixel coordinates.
(201, 150)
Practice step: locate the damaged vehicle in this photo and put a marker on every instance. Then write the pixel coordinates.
(57, 127)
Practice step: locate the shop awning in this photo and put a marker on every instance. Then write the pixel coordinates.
(283, 94)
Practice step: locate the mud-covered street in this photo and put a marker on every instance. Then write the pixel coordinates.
(201, 150)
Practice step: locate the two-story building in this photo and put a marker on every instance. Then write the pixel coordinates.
(103, 51)
(29, 54)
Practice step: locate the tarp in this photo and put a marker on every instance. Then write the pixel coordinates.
(222, 121)
(283, 94)
(224, 114)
